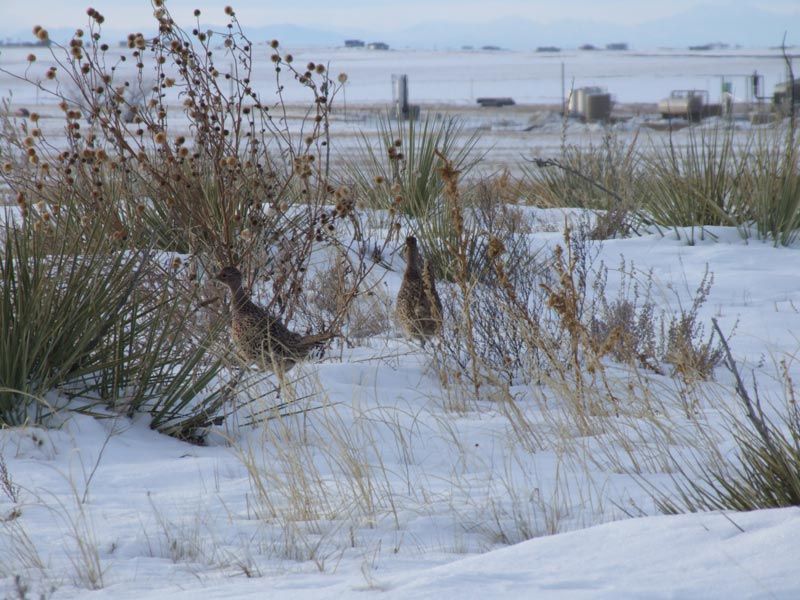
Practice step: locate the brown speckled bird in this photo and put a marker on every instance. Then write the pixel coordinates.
(259, 336)
(419, 309)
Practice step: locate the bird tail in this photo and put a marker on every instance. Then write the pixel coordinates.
(316, 340)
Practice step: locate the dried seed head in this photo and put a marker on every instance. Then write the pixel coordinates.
(274, 43)
(229, 11)
(342, 77)
(496, 247)
(31, 58)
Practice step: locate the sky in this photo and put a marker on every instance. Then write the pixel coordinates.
(376, 15)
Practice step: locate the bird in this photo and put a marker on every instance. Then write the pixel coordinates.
(419, 309)
(262, 338)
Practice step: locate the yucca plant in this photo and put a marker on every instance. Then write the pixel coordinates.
(82, 313)
(61, 296)
(762, 475)
(403, 174)
(693, 185)
(402, 171)
(765, 471)
(583, 175)
(163, 359)
(772, 186)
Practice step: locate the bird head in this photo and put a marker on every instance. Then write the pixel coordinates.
(411, 250)
(230, 276)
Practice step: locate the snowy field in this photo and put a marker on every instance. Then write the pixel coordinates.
(396, 486)
(390, 482)
(459, 77)
(448, 82)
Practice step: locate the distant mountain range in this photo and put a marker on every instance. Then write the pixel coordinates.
(747, 27)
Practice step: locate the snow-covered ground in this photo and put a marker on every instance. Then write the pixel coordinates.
(396, 486)
(393, 484)
(448, 82)
(459, 77)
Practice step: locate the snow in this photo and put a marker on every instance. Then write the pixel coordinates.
(449, 81)
(686, 556)
(459, 77)
(395, 486)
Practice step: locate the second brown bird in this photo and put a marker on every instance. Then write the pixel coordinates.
(419, 309)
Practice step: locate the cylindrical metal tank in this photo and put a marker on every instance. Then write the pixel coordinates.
(598, 107)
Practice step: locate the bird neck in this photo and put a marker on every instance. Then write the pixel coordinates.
(240, 298)
(413, 265)
(413, 273)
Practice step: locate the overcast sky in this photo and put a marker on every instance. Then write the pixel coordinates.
(376, 15)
